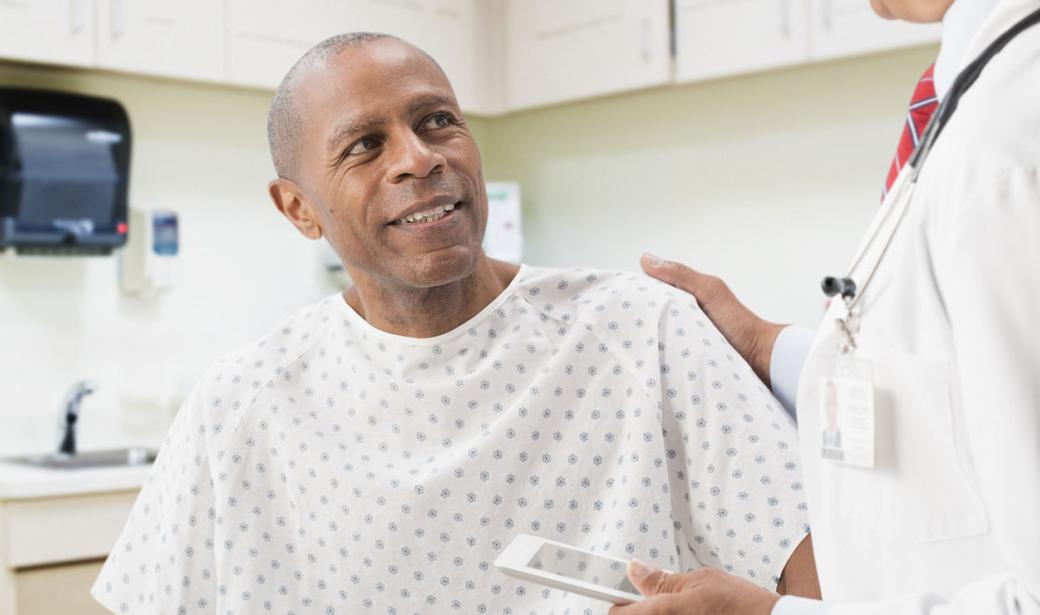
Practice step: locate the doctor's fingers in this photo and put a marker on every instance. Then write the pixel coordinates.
(667, 593)
(684, 603)
(707, 288)
(749, 335)
(704, 591)
(730, 316)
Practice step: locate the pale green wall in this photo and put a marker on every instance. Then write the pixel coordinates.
(765, 179)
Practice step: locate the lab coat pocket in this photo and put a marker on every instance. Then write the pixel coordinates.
(921, 488)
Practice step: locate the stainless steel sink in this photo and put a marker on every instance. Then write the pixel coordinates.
(88, 459)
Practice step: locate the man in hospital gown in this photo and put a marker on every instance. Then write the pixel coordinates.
(377, 450)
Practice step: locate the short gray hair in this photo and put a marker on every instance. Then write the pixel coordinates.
(284, 123)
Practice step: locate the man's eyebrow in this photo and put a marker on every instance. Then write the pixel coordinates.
(428, 100)
(354, 126)
(368, 122)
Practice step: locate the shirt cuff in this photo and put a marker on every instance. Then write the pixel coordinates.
(793, 605)
(785, 364)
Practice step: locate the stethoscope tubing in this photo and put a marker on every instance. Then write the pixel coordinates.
(845, 285)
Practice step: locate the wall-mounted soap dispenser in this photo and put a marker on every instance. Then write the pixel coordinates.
(148, 262)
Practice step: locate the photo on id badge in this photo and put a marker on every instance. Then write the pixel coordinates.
(831, 422)
(847, 414)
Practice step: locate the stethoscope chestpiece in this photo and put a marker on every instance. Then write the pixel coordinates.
(833, 286)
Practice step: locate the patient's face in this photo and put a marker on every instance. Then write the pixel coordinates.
(919, 11)
(384, 139)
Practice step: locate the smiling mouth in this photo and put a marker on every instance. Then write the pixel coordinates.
(426, 217)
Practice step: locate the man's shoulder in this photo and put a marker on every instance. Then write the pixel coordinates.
(287, 339)
(236, 377)
(595, 295)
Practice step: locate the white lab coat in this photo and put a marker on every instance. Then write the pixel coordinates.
(948, 522)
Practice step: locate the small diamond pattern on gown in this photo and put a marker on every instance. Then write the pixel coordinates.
(334, 468)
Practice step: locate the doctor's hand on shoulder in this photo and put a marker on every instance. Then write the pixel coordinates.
(751, 336)
(705, 591)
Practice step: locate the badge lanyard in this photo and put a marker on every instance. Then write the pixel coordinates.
(847, 398)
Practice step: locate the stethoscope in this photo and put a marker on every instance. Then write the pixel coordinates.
(845, 286)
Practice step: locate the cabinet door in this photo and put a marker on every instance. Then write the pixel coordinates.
(63, 589)
(850, 27)
(725, 37)
(560, 50)
(77, 527)
(160, 37)
(445, 29)
(266, 37)
(54, 31)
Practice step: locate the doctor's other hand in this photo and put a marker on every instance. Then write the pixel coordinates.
(704, 591)
(750, 335)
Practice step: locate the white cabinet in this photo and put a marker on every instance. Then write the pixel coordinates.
(716, 38)
(57, 542)
(56, 31)
(36, 595)
(850, 27)
(500, 55)
(266, 37)
(489, 86)
(559, 50)
(159, 37)
(448, 30)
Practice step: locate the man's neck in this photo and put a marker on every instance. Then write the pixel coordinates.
(428, 312)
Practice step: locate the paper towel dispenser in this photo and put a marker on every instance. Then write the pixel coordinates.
(64, 170)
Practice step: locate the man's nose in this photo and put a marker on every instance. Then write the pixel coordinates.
(413, 158)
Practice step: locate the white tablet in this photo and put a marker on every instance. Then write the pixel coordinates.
(568, 568)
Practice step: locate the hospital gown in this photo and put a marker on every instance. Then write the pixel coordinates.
(332, 467)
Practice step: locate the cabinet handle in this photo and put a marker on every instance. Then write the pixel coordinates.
(827, 14)
(646, 53)
(117, 19)
(78, 16)
(785, 18)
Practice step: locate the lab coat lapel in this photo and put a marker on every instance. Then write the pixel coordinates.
(1004, 16)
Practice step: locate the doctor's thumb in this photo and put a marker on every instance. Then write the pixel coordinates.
(673, 273)
(650, 581)
(656, 266)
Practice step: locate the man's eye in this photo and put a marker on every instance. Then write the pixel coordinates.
(438, 120)
(364, 145)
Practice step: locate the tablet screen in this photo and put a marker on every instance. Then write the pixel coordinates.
(582, 566)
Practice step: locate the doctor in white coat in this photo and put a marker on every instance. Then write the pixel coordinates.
(935, 508)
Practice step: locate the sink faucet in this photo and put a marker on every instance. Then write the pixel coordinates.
(71, 414)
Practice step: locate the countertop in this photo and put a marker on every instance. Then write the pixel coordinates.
(22, 481)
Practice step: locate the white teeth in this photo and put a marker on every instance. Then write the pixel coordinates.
(430, 215)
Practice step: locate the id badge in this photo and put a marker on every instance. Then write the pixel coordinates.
(847, 413)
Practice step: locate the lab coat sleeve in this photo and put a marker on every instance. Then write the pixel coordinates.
(795, 605)
(987, 264)
(790, 350)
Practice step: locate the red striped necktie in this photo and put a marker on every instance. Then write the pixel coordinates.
(922, 106)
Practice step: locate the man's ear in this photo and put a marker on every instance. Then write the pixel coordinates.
(290, 199)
